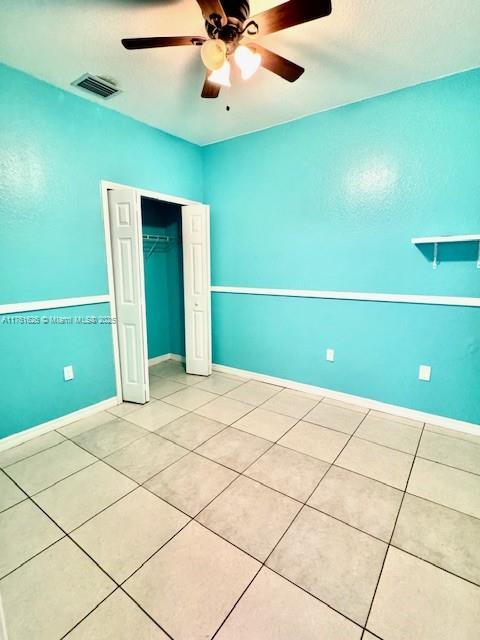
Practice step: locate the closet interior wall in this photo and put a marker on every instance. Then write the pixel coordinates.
(163, 265)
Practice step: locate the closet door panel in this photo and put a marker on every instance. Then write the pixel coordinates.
(196, 269)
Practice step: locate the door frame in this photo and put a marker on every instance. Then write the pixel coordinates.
(105, 186)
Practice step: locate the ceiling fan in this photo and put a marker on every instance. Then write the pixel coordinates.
(228, 25)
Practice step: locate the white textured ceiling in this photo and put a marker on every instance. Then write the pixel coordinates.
(365, 48)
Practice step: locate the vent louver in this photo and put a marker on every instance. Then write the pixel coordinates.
(98, 86)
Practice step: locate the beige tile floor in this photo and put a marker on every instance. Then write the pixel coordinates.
(239, 510)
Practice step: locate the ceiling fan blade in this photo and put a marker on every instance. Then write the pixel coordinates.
(212, 7)
(290, 14)
(210, 89)
(277, 64)
(161, 41)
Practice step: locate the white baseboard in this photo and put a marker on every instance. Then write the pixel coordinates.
(51, 425)
(166, 356)
(440, 421)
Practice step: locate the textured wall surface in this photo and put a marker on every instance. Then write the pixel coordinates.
(331, 202)
(54, 150)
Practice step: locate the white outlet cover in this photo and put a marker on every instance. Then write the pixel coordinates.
(330, 355)
(424, 372)
(68, 372)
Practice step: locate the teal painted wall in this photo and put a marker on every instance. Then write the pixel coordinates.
(331, 202)
(54, 150)
(163, 281)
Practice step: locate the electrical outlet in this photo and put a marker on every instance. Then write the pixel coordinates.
(330, 355)
(68, 372)
(424, 372)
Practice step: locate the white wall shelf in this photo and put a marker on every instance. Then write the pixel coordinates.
(436, 240)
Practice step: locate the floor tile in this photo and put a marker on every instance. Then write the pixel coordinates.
(453, 488)
(335, 417)
(291, 403)
(288, 471)
(388, 416)
(123, 409)
(454, 433)
(117, 618)
(191, 430)
(191, 483)
(361, 502)
(30, 447)
(377, 462)
(190, 398)
(315, 441)
(10, 494)
(225, 410)
(254, 392)
(334, 562)
(440, 535)
(145, 457)
(154, 415)
(191, 584)
(251, 516)
(234, 449)
(266, 424)
(125, 535)
(162, 387)
(109, 437)
(186, 378)
(24, 531)
(274, 609)
(414, 599)
(47, 467)
(390, 433)
(369, 636)
(452, 452)
(167, 368)
(90, 422)
(346, 405)
(39, 600)
(218, 383)
(74, 500)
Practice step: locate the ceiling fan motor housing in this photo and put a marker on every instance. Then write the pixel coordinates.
(237, 12)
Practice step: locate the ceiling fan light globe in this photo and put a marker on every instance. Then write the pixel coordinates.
(248, 61)
(221, 76)
(213, 54)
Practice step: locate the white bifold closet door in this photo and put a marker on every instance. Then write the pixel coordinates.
(196, 283)
(127, 254)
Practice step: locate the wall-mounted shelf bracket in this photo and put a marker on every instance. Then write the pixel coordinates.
(436, 240)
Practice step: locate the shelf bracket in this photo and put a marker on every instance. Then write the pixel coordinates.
(435, 255)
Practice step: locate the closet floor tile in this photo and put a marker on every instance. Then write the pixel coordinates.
(162, 387)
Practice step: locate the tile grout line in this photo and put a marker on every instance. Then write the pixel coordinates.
(389, 544)
(264, 563)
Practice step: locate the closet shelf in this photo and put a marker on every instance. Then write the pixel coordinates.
(158, 243)
(436, 240)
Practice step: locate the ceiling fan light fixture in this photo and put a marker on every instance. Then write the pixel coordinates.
(221, 76)
(247, 61)
(214, 54)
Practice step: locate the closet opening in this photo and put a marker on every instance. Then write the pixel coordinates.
(158, 262)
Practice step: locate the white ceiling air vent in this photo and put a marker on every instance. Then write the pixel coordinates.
(97, 85)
